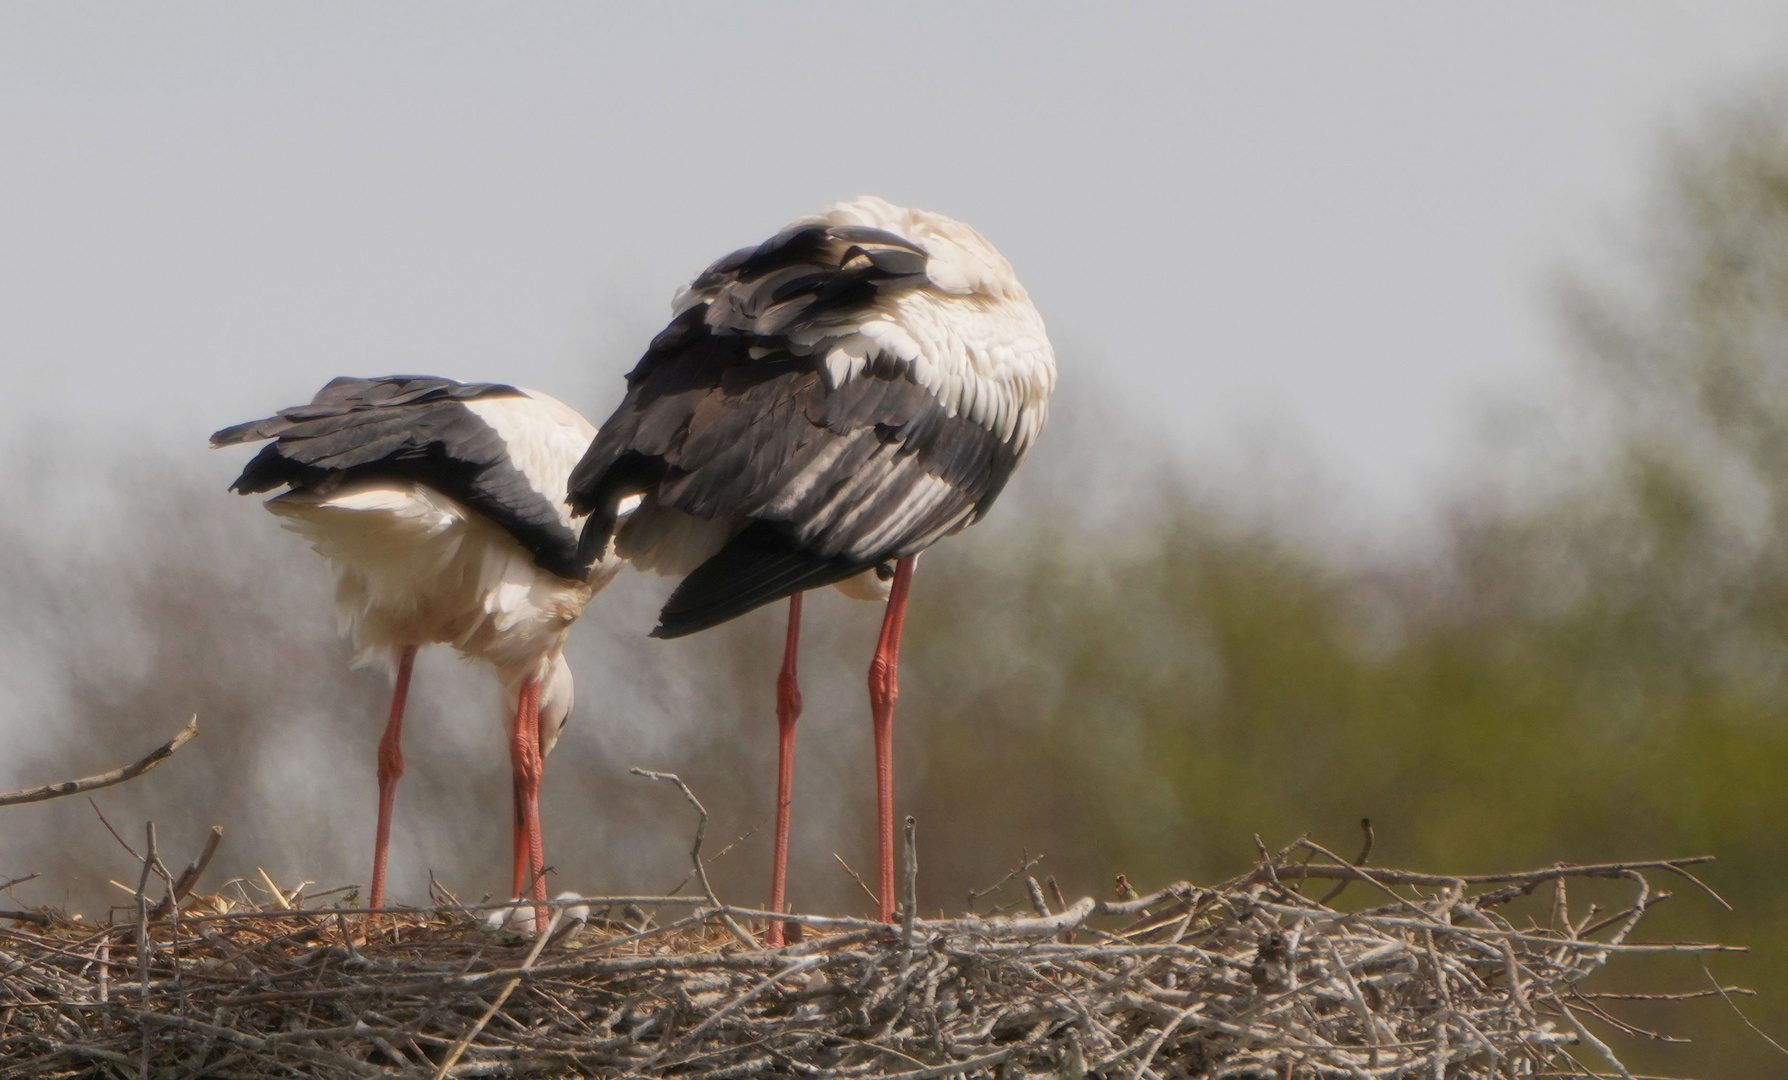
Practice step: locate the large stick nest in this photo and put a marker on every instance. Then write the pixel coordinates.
(1436, 977)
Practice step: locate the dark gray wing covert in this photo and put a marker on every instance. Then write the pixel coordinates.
(725, 418)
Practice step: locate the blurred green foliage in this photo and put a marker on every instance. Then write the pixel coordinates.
(1589, 673)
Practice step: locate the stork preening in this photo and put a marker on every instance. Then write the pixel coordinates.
(830, 402)
(441, 507)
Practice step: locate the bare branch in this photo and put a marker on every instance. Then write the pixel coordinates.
(105, 779)
(695, 853)
(874, 901)
(1727, 995)
(32, 876)
(183, 886)
(909, 883)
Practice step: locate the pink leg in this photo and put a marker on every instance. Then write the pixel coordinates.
(529, 766)
(788, 710)
(884, 688)
(391, 766)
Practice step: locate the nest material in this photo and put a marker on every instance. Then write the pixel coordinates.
(1250, 978)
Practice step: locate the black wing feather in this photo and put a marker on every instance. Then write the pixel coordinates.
(759, 566)
(407, 427)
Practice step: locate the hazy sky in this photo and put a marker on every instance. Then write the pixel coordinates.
(1338, 220)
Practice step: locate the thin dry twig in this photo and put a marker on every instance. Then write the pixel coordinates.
(1727, 995)
(874, 901)
(182, 886)
(695, 853)
(32, 876)
(909, 883)
(1025, 862)
(104, 779)
(540, 941)
(143, 942)
(1367, 839)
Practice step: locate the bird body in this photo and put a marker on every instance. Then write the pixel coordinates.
(415, 567)
(821, 408)
(440, 507)
(841, 396)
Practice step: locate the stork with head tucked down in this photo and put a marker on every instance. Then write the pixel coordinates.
(830, 402)
(441, 507)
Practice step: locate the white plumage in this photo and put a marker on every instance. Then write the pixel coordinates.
(416, 567)
(441, 508)
(973, 338)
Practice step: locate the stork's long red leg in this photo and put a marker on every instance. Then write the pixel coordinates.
(529, 766)
(788, 710)
(884, 688)
(391, 766)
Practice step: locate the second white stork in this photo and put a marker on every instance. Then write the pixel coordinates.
(441, 507)
(825, 404)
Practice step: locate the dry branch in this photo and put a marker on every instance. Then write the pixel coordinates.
(105, 779)
(188, 880)
(695, 853)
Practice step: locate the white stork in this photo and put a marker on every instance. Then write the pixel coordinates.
(834, 400)
(441, 507)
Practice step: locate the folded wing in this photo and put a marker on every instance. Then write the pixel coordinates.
(787, 397)
(490, 446)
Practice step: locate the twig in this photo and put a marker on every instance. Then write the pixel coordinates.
(909, 883)
(717, 856)
(874, 901)
(1344, 870)
(102, 820)
(736, 1003)
(1368, 1022)
(183, 886)
(32, 876)
(1740, 1012)
(143, 938)
(105, 779)
(1686, 995)
(1161, 1037)
(173, 904)
(1060, 901)
(540, 941)
(1360, 860)
(1025, 862)
(936, 1072)
(273, 890)
(1601, 1047)
(695, 853)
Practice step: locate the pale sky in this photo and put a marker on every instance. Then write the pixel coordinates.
(1337, 221)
